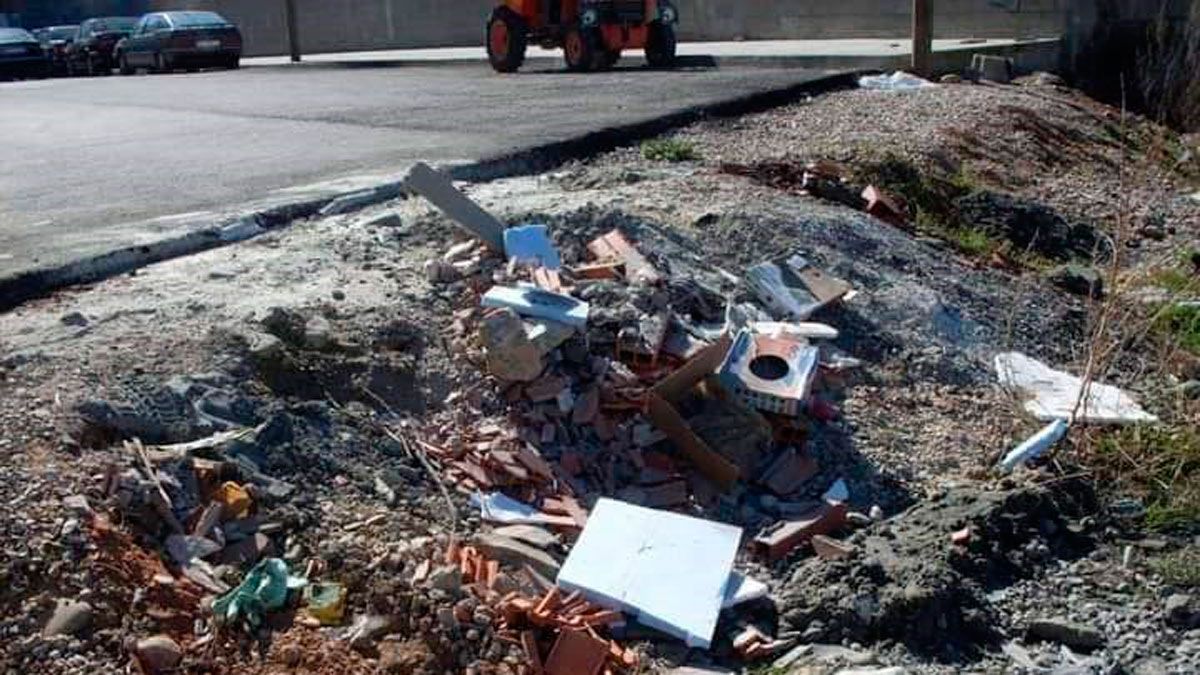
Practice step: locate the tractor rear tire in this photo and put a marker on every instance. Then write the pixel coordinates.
(506, 40)
(660, 45)
(581, 49)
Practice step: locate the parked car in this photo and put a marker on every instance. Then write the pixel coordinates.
(164, 41)
(21, 55)
(92, 50)
(55, 41)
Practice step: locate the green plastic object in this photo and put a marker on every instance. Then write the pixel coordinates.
(264, 589)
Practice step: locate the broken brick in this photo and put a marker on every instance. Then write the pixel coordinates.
(600, 270)
(615, 247)
(778, 541)
(884, 207)
(547, 280)
(545, 389)
(961, 537)
(586, 406)
(529, 644)
(829, 548)
(576, 652)
(789, 472)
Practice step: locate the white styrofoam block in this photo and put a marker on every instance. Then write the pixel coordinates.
(667, 570)
(539, 304)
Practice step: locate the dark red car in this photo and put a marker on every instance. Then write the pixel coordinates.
(164, 41)
(92, 51)
(55, 41)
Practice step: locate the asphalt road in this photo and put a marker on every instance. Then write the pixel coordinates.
(90, 165)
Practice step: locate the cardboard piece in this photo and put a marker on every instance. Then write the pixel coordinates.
(774, 374)
(793, 289)
(540, 304)
(437, 188)
(668, 570)
(664, 396)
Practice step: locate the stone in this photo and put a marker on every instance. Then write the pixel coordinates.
(1077, 636)
(76, 319)
(158, 653)
(1078, 279)
(447, 578)
(1150, 665)
(514, 552)
(511, 355)
(858, 519)
(951, 78)
(69, 618)
(1182, 611)
(78, 505)
(530, 534)
(264, 346)
(876, 512)
(318, 333)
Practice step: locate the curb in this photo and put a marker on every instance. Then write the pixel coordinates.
(24, 286)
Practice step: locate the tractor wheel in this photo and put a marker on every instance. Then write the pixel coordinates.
(506, 41)
(581, 50)
(660, 45)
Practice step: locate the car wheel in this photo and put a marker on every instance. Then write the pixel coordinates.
(162, 64)
(233, 62)
(123, 64)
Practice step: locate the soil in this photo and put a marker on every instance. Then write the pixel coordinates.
(329, 332)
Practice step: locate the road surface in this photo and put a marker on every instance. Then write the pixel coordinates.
(95, 164)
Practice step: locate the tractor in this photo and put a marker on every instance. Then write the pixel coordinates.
(592, 33)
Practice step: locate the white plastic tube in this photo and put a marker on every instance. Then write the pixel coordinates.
(1035, 445)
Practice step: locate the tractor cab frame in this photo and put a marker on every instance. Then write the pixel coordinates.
(591, 33)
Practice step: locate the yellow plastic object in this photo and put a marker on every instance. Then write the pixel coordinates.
(235, 500)
(326, 602)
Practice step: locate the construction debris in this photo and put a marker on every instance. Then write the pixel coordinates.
(1055, 395)
(438, 189)
(793, 289)
(774, 374)
(1034, 446)
(628, 558)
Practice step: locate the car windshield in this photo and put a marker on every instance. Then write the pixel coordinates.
(196, 19)
(13, 35)
(61, 32)
(115, 24)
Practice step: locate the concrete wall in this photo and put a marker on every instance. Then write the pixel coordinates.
(814, 19)
(347, 25)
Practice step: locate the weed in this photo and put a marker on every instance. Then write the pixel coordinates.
(669, 150)
(1179, 568)
(1159, 462)
(970, 241)
(1180, 323)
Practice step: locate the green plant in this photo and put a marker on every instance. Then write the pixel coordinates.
(971, 241)
(669, 150)
(1179, 568)
(1161, 463)
(1180, 323)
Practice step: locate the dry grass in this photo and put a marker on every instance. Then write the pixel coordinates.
(1168, 73)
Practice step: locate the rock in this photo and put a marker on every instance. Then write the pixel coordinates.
(1078, 279)
(514, 552)
(285, 324)
(264, 347)
(69, 618)
(76, 319)
(951, 78)
(158, 654)
(447, 578)
(876, 512)
(318, 333)
(367, 629)
(339, 295)
(1189, 390)
(1150, 665)
(1074, 635)
(530, 534)
(1182, 611)
(78, 505)
(511, 355)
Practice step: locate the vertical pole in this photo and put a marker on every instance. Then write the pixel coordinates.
(293, 38)
(922, 36)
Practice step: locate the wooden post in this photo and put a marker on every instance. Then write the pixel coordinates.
(922, 36)
(289, 8)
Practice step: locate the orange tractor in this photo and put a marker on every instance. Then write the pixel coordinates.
(592, 33)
